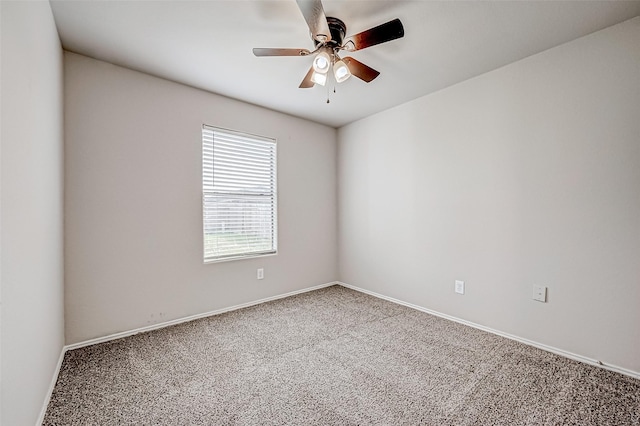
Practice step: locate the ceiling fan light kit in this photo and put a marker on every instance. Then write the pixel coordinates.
(328, 35)
(319, 78)
(341, 71)
(321, 63)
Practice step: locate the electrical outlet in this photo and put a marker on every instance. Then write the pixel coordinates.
(459, 287)
(260, 274)
(540, 293)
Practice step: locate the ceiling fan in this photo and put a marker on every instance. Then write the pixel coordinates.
(328, 35)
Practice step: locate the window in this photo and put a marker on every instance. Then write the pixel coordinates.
(239, 195)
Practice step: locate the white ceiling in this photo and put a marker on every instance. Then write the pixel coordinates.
(207, 44)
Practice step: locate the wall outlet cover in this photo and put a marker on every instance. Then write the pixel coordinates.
(540, 293)
(260, 274)
(459, 287)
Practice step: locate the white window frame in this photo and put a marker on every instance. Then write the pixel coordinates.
(219, 186)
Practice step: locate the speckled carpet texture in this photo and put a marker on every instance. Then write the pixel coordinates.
(332, 357)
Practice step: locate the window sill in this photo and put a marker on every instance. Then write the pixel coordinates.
(243, 257)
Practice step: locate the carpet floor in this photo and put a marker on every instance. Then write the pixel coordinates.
(332, 357)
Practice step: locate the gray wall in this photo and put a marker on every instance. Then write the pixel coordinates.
(133, 202)
(529, 174)
(31, 216)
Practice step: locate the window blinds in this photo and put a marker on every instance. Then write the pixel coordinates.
(239, 194)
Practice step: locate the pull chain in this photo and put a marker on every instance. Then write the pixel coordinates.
(328, 93)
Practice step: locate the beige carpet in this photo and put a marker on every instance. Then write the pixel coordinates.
(332, 357)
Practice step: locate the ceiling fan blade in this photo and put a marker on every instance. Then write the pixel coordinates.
(381, 34)
(313, 13)
(267, 51)
(306, 82)
(360, 70)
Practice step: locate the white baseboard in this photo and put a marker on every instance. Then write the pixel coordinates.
(190, 318)
(52, 385)
(542, 346)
